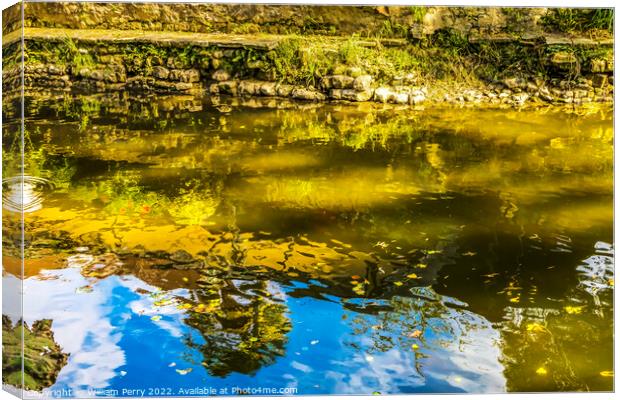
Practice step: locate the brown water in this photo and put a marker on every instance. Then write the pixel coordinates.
(333, 249)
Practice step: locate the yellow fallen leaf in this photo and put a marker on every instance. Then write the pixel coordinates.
(398, 283)
(185, 279)
(541, 371)
(412, 276)
(611, 282)
(421, 265)
(535, 327)
(415, 334)
(607, 374)
(574, 309)
(415, 346)
(514, 299)
(184, 371)
(155, 318)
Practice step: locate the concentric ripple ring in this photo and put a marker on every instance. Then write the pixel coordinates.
(27, 197)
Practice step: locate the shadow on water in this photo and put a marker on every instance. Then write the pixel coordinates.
(329, 248)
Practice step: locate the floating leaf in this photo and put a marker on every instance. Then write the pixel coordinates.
(574, 309)
(123, 373)
(172, 364)
(415, 346)
(415, 334)
(155, 318)
(515, 299)
(184, 371)
(421, 265)
(611, 282)
(84, 289)
(607, 374)
(162, 303)
(314, 342)
(376, 393)
(185, 279)
(253, 339)
(356, 277)
(541, 371)
(412, 276)
(535, 327)
(184, 306)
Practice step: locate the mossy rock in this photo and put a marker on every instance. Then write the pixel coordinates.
(43, 357)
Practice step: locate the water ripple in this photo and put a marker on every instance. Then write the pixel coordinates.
(27, 197)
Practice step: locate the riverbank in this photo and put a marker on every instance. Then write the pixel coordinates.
(445, 67)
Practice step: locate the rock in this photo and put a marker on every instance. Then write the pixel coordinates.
(382, 94)
(96, 75)
(220, 75)
(84, 73)
(308, 94)
(532, 87)
(183, 86)
(564, 61)
(54, 70)
(520, 98)
(512, 83)
(336, 94)
(544, 94)
(268, 89)
(284, 90)
(580, 93)
(362, 83)
(417, 97)
(228, 87)
(185, 75)
(599, 80)
(399, 98)
(389, 95)
(598, 65)
(337, 82)
(354, 95)
(472, 95)
(248, 88)
(354, 71)
(161, 72)
(45, 357)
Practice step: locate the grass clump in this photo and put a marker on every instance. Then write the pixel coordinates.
(63, 53)
(305, 60)
(301, 61)
(569, 20)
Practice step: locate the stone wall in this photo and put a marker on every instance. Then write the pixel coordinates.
(245, 72)
(367, 21)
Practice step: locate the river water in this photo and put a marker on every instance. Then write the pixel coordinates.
(184, 246)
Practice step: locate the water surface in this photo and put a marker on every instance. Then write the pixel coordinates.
(178, 243)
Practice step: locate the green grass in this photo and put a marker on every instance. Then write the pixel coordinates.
(569, 20)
